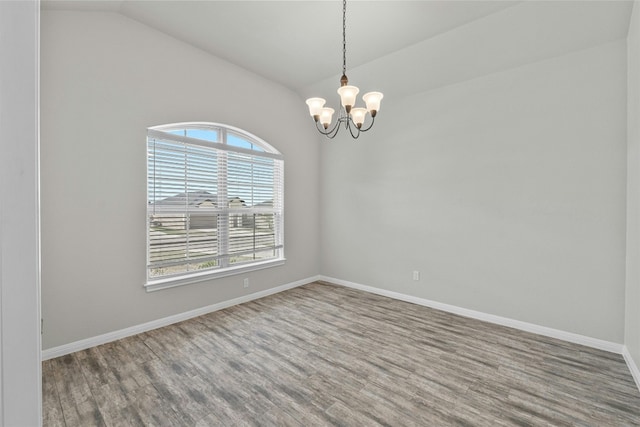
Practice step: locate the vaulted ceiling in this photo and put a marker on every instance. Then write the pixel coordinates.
(397, 47)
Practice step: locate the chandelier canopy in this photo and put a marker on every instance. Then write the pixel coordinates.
(351, 118)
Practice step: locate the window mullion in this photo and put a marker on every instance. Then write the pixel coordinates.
(187, 222)
(278, 183)
(223, 205)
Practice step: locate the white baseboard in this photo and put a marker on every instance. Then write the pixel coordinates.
(504, 321)
(635, 372)
(62, 350)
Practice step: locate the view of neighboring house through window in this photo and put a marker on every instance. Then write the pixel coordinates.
(214, 201)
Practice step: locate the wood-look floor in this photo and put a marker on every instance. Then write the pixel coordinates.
(326, 355)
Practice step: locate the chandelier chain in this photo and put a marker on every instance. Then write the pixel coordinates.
(344, 37)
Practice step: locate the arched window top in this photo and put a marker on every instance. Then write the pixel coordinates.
(236, 139)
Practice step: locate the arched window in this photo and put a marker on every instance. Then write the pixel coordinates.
(214, 203)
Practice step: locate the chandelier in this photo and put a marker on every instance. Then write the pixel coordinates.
(351, 118)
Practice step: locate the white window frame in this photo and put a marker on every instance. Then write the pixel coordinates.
(222, 150)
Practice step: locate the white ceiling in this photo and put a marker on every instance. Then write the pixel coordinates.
(397, 47)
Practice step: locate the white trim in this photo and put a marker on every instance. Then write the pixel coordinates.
(504, 321)
(154, 324)
(20, 341)
(172, 282)
(635, 372)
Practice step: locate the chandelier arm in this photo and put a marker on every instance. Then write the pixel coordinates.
(357, 134)
(335, 132)
(328, 133)
(373, 119)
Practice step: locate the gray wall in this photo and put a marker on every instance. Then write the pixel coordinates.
(507, 193)
(632, 319)
(20, 372)
(105, 79)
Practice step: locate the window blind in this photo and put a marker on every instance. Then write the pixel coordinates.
(214, 200)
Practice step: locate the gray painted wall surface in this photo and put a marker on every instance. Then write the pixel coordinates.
(20, 372)
(632, 318)
(507, 193)
(105, 79)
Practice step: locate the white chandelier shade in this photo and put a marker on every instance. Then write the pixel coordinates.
(372, 100)
(315, 106)
(325, 116)
(358, 115)
(348, 96)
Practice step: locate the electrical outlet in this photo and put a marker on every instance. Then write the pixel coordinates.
(245, 283)
(416, 275)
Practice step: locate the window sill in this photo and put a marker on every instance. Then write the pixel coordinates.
(172, 282)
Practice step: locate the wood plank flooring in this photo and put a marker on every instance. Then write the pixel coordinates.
(322, 355)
